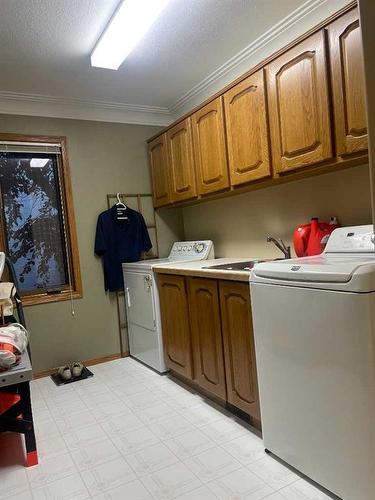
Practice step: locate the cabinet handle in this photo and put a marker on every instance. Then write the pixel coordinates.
(128, 297)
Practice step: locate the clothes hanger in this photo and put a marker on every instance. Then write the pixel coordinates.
(120, 209)
(119, 202)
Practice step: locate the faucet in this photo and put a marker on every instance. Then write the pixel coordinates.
(281, 246)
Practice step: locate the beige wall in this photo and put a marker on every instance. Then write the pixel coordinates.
(240, 224)
(104, 158)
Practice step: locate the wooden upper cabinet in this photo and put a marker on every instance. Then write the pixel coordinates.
(299, 106)
(304, 109)
(175, 324)
(345, 43)
(206, 336)
(181, 161)
(159, 166)
(239, 349)
(210, 147)
(247, 130)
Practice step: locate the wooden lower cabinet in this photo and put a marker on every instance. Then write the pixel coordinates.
(208, 338)
(175, 324)
(207, 344)
(239, 349)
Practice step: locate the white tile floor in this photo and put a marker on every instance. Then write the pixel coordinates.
(130, 434)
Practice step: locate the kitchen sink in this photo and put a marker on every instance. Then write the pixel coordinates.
(237, 266)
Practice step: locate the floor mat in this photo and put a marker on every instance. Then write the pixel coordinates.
(59, 381)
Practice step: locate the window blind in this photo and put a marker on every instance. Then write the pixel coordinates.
(29, 147)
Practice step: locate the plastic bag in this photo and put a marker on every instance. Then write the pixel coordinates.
(13, 343)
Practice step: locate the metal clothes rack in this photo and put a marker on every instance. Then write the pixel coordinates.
(142, 202)
(15, 388)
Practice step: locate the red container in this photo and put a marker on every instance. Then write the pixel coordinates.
(301, 239)
(311, 239)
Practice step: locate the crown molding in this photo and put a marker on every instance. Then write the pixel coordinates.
(305, 17)
(17, 103)
(278, 35)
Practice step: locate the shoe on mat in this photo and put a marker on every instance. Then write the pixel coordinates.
(65, 372)
(76, 369)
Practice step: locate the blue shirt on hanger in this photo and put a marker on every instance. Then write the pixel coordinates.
(118, 241)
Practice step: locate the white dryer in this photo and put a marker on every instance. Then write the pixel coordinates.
(142, 300)
(314, 326)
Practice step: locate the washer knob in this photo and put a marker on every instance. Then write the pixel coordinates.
(199, 247)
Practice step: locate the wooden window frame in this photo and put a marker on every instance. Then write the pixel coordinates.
(65, 185)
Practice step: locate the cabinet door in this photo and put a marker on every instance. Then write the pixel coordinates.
(175, 324)
(247, 131)
(181, 161)
(238, 337)
(210, 148)
(207, 343)
(345, 42)
(299, 106)
(159, 171)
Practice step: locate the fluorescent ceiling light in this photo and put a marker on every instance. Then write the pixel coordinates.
(38, 162)
(128, 25)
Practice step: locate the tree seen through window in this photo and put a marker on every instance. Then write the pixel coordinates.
(34, 230)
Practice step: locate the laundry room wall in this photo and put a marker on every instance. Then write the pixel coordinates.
(239, 225)
(104, 158)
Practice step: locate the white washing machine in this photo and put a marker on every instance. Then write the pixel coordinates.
(142, 300)
(314, 326)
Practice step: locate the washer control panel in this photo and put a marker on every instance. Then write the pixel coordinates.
(353, 239)
(192, 250)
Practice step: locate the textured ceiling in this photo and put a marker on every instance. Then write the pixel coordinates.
(45, 47)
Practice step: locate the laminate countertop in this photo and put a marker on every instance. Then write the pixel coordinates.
(196, 268)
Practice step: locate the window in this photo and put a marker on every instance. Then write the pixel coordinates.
(38, 227)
